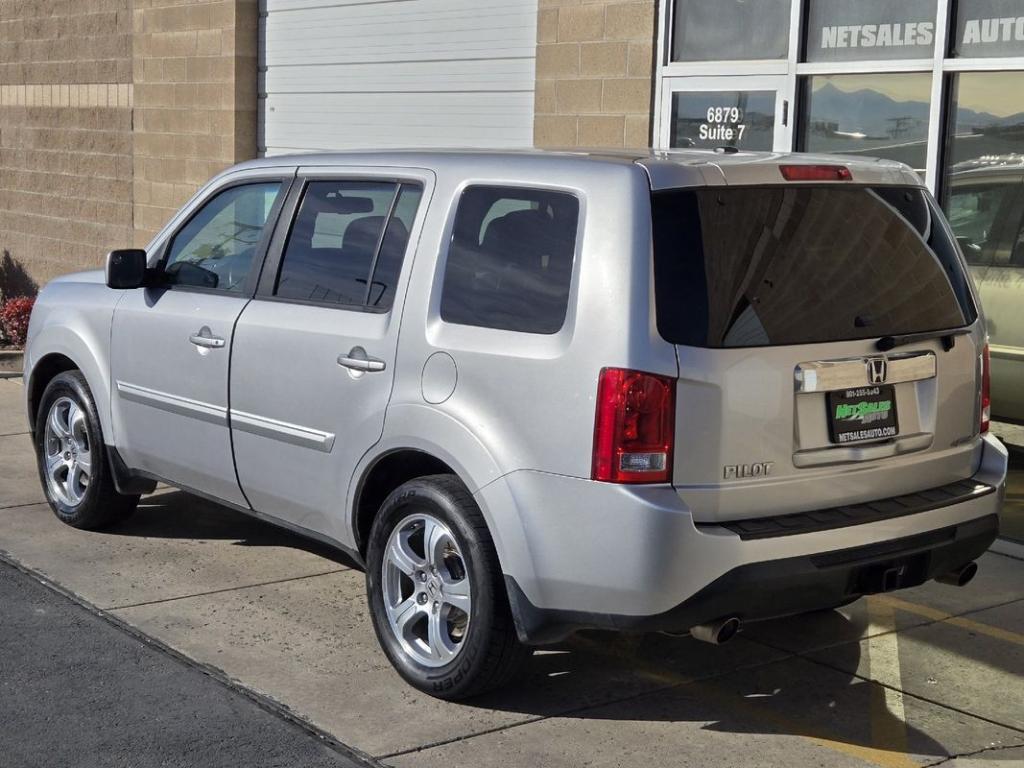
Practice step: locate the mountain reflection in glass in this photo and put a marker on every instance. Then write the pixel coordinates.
(874, 115)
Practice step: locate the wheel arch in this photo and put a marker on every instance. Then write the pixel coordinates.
(388, 471)
(451, 448)
(43, 372)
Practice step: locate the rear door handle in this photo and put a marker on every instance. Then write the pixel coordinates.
(358, 360)
(205, 338)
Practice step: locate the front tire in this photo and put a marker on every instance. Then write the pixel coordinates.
(72, 459)
(436, 592)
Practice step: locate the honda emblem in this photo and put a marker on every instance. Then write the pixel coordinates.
(877, 370)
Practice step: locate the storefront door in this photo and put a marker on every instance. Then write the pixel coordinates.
(746, 112)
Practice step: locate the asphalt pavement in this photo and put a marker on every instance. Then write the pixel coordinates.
(79, 690)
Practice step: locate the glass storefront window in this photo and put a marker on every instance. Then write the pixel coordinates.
(707, 119)
(983, 190)
(978, 207)
(883, 115)
(985, 134)
(989, 28)
(838, 30)
(723, 30)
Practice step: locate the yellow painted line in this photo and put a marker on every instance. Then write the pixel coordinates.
(876, 755)
(958, 621)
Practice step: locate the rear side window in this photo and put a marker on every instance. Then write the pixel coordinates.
(339, 250)
(759, 266)
(510, 261)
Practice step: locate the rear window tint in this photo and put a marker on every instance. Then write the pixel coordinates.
(759, 266)
(510, 261)
(339, 236)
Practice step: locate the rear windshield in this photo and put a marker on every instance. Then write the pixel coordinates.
(758, 266)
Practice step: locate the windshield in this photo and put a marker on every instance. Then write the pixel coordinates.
(758, 266)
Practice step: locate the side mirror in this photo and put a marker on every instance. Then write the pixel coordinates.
(126, 268)
(187, 273)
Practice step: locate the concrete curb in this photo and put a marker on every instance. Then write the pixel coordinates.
(11, 363)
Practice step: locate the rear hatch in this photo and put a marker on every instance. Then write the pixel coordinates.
(781, 300)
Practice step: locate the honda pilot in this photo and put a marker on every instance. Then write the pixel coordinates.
(532, 393)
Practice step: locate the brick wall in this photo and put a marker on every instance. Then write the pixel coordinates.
(112, 113)
(595, 67)
(195, 79)
(65, 136)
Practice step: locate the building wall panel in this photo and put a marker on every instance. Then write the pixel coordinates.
(343, 74)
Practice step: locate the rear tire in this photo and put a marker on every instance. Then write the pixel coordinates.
(430, 545)
(72, 458)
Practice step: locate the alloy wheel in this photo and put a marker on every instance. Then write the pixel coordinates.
(67, 452)
(427, 591)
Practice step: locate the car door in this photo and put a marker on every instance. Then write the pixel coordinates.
(171, 341)
(314, 352)
(986, 211)
(1002, 295)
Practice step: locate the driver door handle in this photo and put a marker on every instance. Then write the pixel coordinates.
(358, 360)
(205, 338)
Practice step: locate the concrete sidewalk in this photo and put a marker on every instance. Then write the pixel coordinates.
(916, 678)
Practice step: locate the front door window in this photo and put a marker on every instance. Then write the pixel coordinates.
(215, 249)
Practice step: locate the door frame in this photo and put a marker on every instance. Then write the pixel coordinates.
(782, 140)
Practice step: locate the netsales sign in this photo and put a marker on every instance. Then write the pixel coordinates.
(878, 35)
(862, 30)
(1005, 29)
(1002, 30)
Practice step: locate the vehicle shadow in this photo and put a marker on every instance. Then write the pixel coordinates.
(743, 687)
(174, 514)
(739, 688)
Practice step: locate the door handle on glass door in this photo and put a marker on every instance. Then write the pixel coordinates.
(358, 360)
(205, 338)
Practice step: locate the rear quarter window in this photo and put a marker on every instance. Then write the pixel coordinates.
(759, 266)
(510, 260)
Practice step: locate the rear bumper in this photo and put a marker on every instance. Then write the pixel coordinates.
(784, 587)
(581, 554)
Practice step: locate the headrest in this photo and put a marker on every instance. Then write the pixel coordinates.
(526, 238)
(512, 225)
(362, 233)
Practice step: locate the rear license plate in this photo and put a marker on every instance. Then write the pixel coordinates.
(863, 413)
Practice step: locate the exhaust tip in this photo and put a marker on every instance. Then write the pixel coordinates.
(959, 577)
(716, 632)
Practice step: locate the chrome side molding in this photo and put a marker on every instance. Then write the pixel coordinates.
(294, 434)
(181, 406)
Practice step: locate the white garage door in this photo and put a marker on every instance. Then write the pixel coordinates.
(339, 74)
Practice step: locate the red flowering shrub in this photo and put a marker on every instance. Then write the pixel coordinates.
(14, 315)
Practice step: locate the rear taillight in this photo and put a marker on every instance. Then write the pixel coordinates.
(815, 173)
(986, 387)
(634, 427)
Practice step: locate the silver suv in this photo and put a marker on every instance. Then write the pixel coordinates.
(533, 393)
